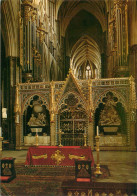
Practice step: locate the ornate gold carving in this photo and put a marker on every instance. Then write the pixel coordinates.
(76, 193)
(76, 157)
(83, 194)
(33, 15)
(42, 32)
(79, 166)
(27, 9)
(90, 192)
(124, 90)
(96, 194)
(69, 193)
(17, 107)
(103, 194)
(111, 194)
(58, 157)
(44, 156)
(37, 56)
(120, 3)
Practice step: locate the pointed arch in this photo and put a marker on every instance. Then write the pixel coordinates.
(69, 9)
(115, 93)
(85, 49)
(30, 98)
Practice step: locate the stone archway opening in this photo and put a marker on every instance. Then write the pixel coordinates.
(36, 121)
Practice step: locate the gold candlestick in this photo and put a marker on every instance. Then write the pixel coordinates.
(1, 139)
(97, 172)
(60, 133)
(37, 138)
(85, 139)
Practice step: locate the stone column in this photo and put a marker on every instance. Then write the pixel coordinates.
(11, 77)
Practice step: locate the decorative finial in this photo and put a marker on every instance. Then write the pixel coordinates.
(70, 70)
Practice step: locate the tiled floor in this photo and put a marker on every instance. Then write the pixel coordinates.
(122, 165)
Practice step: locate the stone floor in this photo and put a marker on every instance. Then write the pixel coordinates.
(122, 165)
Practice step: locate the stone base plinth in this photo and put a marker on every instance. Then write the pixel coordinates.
(31, 140)
(112, 140)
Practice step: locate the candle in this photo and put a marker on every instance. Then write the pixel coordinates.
(0, 131)
(97, 131)
(17, 118)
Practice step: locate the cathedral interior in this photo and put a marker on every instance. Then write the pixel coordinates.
(68, 74)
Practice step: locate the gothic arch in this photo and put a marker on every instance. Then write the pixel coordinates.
(27, 101)
(121, 99)
(71, 8)
(66, 95)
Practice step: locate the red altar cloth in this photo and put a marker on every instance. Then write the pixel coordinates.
(58, 156)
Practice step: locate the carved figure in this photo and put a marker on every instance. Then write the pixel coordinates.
(39, 121)
(109, 115)
(32, 120)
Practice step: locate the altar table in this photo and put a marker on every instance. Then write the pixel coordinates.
(58, 156)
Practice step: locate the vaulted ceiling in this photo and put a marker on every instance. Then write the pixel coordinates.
(85, 50)
(82, 24)
(67, 9)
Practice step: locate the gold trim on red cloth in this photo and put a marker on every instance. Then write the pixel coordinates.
(40, 156)
(71, 156)
(58, 157)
